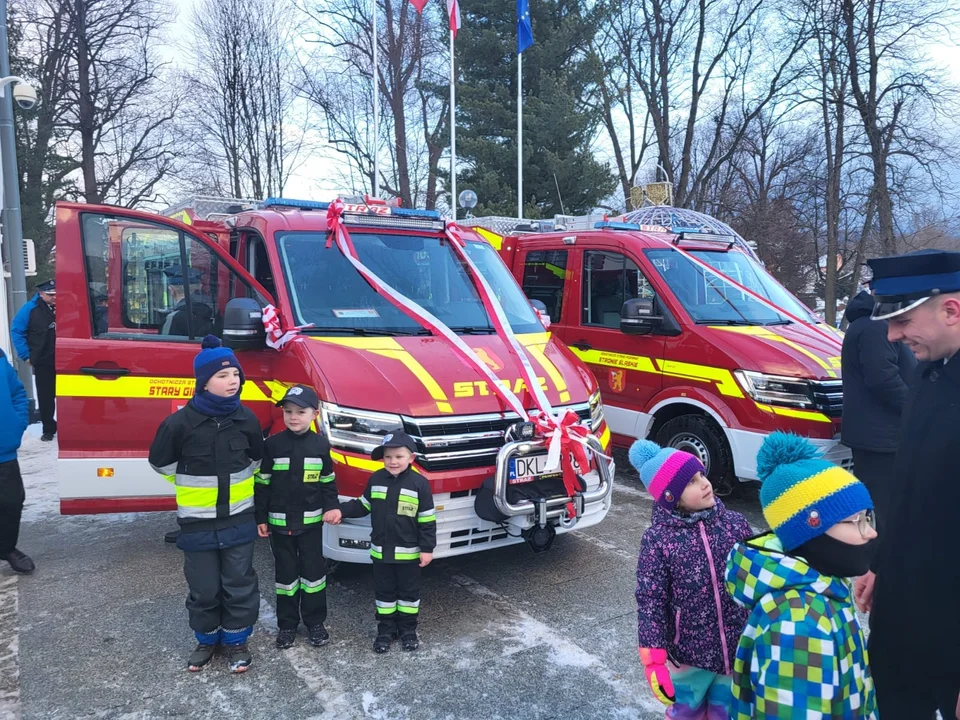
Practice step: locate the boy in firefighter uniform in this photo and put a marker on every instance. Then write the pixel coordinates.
(294, 487)
(404, 534)
(210, 450)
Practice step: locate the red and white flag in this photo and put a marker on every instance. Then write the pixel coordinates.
(453, 10)
(419, 5)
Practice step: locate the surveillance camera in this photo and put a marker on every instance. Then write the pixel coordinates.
(24, 96)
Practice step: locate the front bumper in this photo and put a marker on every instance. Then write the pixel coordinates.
(745, 444)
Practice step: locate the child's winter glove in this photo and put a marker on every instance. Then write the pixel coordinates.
(654, 666)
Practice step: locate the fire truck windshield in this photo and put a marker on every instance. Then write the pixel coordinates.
(749, 273)
(707, 297)
(329, 293)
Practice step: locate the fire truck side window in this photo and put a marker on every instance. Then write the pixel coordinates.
(544, 276)
(150, 281)
(609, 280)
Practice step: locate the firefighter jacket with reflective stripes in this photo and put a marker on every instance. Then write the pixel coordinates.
(402, 515)
(295, 483)
(211, 462)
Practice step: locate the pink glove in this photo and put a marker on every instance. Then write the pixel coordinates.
(654, 666)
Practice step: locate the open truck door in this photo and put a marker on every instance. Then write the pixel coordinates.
(137, 293)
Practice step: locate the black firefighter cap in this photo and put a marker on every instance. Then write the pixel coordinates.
(301, 395)
(902, 282)
(394, 440)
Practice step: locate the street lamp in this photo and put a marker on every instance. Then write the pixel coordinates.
(25, 96)
(468, 201)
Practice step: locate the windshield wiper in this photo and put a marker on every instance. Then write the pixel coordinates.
(728, 322)
(468, 330)
(779, 322)
(363, 331)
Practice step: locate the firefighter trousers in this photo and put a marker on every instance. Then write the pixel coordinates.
(45, 377)
(301, 577)
(224, 597)
(396, 587)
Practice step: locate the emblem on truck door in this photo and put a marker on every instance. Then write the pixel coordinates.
(616, 381)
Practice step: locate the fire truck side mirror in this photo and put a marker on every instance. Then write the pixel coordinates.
(243, 325)
(639, 316)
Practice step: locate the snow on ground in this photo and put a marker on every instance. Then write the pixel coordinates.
(38, 465)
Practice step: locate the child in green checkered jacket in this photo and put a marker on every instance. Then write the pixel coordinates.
(803, 654)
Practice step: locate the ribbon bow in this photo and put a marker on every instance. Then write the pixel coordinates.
(334, 215)
(566, 449)
(276, 337)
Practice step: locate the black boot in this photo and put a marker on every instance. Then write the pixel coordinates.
(20, 562)
(319, 635)
(382, 643)
(171, 537)
(410, 641)
(200, 657)
(238, 657)
(286, 639)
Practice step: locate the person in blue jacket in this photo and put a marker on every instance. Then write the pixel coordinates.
(13, 423)
(34, 334)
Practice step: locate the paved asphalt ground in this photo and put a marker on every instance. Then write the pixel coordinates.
(100, 629)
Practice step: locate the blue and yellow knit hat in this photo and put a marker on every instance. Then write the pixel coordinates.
(803, 495)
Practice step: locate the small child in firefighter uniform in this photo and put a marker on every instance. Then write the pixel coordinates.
(210, 450)
(404, 534)
(294, 487)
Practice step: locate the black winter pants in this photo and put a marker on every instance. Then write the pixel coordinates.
(223, 591)
(11, 505)
(396, 587)
(908, 685)
(46, 378)
(876, 471)
(301, 579)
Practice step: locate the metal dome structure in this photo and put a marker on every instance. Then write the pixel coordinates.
(673, 219)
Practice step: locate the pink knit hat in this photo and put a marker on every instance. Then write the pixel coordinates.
(664, 471)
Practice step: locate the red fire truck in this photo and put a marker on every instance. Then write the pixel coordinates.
(122, 274)
(682, 355)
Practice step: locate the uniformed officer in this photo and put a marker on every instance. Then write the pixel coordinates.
(34, 333)
(912, 589)
(177, 321)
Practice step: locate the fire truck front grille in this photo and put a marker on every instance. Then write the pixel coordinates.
(827, 396)
(465, 441)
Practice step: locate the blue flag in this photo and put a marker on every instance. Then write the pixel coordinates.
(524, 29)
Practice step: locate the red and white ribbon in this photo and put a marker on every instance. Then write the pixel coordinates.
(276, 336)
(565, 435)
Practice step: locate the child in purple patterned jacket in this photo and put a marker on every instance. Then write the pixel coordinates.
(684, 614)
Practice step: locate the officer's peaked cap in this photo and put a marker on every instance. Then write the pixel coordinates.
(902, 282)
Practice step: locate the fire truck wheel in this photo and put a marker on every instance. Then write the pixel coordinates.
(700, 436)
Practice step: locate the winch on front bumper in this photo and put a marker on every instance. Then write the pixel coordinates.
(543, 513)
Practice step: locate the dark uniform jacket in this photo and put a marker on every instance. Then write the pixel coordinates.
(42, 335)
(918, 575)
(875, 376)
(402, 515)
(295, 484)
(196, 451)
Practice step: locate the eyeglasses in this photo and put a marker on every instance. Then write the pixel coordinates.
(865, 522)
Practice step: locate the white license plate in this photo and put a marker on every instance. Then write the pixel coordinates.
(528, 469)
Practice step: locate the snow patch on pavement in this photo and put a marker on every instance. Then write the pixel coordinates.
(523, 632)
(38, 465)
(9, 649)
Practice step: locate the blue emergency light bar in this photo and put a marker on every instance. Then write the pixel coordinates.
(607, 225)
(317, 205)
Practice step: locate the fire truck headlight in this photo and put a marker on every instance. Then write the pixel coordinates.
(357, 430)
(596, 411)
(775, 389)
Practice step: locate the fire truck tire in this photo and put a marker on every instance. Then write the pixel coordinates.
(700, 436)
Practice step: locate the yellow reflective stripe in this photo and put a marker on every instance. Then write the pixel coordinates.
(409, 607)
(726, 384)
(389, 348)
(427, 516)
(605, 437)
(158, 388)
(491, 237)
(364, 502)
(829, 364)
(351, 461)
(804, 494)
(241, 490)
(537, 350)
(196, 497)
(386, 608)
(405, 496)
(794, 413)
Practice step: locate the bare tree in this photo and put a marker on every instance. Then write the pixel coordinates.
(120, 111)
(410, 79)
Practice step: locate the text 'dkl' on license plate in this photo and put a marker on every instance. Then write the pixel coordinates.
(528, 469)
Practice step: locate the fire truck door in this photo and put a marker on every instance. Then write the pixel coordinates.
(138, 294)
(626, 366)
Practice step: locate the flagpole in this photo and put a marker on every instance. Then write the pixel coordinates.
(453, 131)
(376, 110)
(519, 136)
